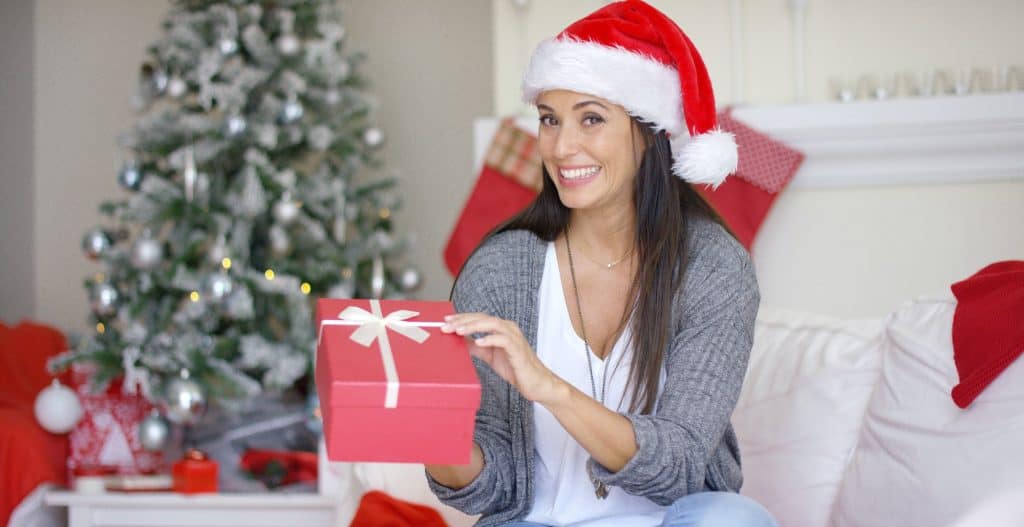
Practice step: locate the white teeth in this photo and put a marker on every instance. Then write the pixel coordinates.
(577, 173)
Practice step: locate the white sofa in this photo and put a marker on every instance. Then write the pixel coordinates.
(843, 423)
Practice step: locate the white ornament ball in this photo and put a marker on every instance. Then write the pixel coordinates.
(235, 126)
(410, 279)
(373, 137)
(288, 44)
(286, 211)
(332, 97)
(227, 46)
(57, 408)
(291, 112)
(280, 242)
(176, 87)
(184, 399)
(154, 431)
(147, 253)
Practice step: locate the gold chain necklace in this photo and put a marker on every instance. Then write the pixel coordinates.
(600, 489)
(608, 265)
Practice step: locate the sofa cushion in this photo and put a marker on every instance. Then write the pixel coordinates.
(797, 419)
(921, 460)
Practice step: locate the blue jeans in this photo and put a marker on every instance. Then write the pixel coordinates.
(707, 509)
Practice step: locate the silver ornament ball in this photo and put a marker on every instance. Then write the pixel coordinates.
(154, 431)
(373, 137)
(410, 279)
(103, 299)
(216, 287)
(130, 177)
(96, 243)
(147, 253)
(292, 111)
(184, 400)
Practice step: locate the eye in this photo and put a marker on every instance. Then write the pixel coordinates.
(592, 119)
(548, 120)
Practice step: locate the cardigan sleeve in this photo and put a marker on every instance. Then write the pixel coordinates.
(705, 365)
(476, 291)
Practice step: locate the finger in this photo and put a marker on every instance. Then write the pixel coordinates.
(485, 325)
(494, 341)
(454, 321)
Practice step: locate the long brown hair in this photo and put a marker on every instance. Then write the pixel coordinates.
(663, 205)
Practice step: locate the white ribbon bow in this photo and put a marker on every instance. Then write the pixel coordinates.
(373, 325)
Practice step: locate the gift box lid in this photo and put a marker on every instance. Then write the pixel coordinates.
(437, 373)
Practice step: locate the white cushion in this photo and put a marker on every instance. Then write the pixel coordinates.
(797, 419)
(921, 460)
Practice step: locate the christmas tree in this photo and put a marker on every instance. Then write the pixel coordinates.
(243, 206)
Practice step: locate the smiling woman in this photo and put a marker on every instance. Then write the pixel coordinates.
(608, 380)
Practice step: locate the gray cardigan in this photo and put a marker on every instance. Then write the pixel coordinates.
(687, 446)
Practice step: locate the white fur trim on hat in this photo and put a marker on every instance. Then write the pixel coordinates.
(707, 158)
(646, 88)
(643, 86)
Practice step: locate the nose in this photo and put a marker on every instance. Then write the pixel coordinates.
(566, 142)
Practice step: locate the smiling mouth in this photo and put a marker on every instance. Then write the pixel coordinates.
(575, 176)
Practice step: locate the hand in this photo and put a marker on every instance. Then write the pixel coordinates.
(505, 350)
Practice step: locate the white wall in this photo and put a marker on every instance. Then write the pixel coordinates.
(848, 252)
(845, 38)
(16, 248)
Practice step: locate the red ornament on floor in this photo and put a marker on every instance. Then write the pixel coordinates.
(195, 473)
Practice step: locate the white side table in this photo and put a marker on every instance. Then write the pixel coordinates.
(167, 509)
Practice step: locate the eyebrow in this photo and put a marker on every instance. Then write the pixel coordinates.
(576, 106)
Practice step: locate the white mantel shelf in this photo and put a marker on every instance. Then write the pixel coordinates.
(952, 139)
(913, 141)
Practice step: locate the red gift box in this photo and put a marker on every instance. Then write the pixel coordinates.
(108, 433)
(392, 387)
(195, 473)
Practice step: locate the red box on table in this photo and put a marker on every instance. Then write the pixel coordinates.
(194, 473)
(392, 387)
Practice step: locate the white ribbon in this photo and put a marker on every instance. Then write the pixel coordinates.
(373, 325)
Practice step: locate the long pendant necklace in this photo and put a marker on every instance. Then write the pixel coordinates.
(600, 489)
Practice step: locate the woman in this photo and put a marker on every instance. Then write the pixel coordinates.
(613, 318)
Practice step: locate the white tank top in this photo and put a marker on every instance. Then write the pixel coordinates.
(563, 493)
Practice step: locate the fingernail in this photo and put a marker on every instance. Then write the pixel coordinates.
(460, 330)
(448, 317)
(479, 341)
(446, 328)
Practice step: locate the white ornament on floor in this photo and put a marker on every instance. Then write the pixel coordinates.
(57, 408)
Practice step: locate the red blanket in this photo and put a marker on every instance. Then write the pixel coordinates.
(29, 455)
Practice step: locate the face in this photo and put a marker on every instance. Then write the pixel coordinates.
(591, 149)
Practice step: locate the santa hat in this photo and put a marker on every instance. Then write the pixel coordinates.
(635, 56)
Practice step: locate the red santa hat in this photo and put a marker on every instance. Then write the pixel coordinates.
(633, 55)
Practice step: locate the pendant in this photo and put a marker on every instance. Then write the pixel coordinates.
(600, 489)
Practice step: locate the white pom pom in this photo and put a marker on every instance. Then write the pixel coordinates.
(707, 158)
(57, 408)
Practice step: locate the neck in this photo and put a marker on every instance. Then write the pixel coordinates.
(605, 236)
